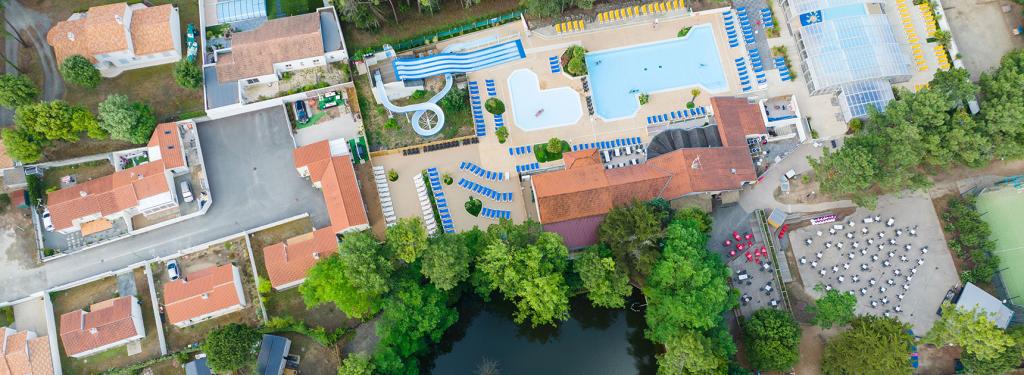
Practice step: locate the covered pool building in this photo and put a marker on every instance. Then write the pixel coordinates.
(848, 48)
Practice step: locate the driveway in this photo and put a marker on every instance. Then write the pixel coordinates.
(253, 182)
(33, 27)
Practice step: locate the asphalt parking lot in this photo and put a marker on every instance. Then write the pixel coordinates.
(904, 275)
(253, 182)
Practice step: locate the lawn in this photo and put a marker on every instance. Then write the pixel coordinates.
(153, 85)
(291, 7)
(83, 172)
(382, 137)
(542, 154)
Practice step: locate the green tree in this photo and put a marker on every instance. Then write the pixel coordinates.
(455, 101)
(21, 145)
(973, 330)
(188, 75)
(849, 171)
(357, 364)
(78, 71)
(502, 134)
(698, 218)
(955, 85)
(17, 90)
(446, 261)
(56, 120)
(872, 346)
(494, 106)
(690, 352)
(1002, 106)
(554, 146)
(413, 318)
(833, 308)
(633, 233)
(354, 280)
(1008, 360)
(125, 120)
(231, 347)
(606, 285)
(528, 273)
(773, 340)
(407, 238)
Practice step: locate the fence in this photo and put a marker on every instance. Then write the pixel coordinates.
(429, 38)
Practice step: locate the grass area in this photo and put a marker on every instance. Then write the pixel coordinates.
(153, 85)
(291, 7)
(289, 302)
(82, 172)
(381, 137)
(450, 13)
(540, 150)
(60, 150)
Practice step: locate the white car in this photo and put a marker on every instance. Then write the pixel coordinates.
(186, 192)
(173, 272)
(47, 221)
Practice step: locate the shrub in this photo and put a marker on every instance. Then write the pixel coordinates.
(392, 175)
(231, 347)
(36, 189)
(575, 58)
(447, 179)
(78, 71)
(418, 94)
(502, 134)
(22, 146)
(125, 120)
(683, 31)
(554, 146)
(188, 74)
(287, 76)
(856, 125)
(391, 123)
(494, 106)
(473, 206)
(264, 285)
(455, 102)
(644, 98)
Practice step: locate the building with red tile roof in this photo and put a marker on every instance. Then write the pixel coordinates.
(144, 189)
(106, 325)
(119, 36)
(23, 353)
(574, 200)
(203, 295)
(328, 165)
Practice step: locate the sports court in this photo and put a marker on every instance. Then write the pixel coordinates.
(1001, 209)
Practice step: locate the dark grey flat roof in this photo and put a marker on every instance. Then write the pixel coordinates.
(271, 360)
(197, 367)
(330, 32)
(218, 94)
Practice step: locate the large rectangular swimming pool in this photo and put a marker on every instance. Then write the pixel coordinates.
(618, 76)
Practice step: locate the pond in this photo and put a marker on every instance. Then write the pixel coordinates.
(592, 341)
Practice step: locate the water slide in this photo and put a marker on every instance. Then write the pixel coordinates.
(447, 63)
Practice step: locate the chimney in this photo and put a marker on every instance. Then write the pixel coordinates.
(316, 256)
(118, 19)
(93, 331)
(71, 36)
(82, 193)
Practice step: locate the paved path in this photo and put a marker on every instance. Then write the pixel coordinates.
(33, 27)
(762, 195)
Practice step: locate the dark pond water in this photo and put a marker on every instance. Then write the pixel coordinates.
(593, 341)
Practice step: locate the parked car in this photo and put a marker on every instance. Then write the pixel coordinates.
(186, 192)
(47, 221)
(173, 272)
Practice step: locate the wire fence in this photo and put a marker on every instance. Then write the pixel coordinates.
(449, 33)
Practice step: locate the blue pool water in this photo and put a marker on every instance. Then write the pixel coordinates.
(844, 11)
(535, 109)
(618, 76)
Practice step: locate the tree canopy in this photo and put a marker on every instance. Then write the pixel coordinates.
(231, 347)
(833, 308)
(873, 345)
(606, 284)
(773, 340)
(355, 279)
(79, 71)
(970, 240)
(546, 8)
(21, 145)
(188, 74)
(357, 364)
(56, 120)
(1005, 361)
(446, 261)
(633, 233)
(413, 317)
(17, 90)
(973, 330)
(125, 120)
(407, 238)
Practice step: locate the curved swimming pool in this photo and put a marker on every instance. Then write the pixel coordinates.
(536, 109)
(619, 76)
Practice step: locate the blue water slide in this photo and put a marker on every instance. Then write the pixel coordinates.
(458, 62)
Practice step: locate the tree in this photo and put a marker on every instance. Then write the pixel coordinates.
(357, 364)
(694, 93)
(698, 218)
(606, 285)
(833, 308)
(494, 106)
(446, 261)
(502, 134)
(773, 340)
(231, 347)
(955, 85)
(633, 233)
(554, 146)
(78, 71)
(354, 279)
(407, 238)
(971, 330)
(690, 352)
(873, 345)
(21, 146)
(56, 120)
(125, 120)
(1008, 360)
(455, 101)
(849, 171)
(17, 90)
(528, 273)
(414, 317)
(188, 75)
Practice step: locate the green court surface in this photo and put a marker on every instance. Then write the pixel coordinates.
(1003, 210)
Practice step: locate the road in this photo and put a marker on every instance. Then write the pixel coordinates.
(253, 182)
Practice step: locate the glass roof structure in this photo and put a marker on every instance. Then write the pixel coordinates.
(853, 49)
(229, 11)
(857, 97)
(804, 6)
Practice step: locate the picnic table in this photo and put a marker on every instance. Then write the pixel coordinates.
(328, 100)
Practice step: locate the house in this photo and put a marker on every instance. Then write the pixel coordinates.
(23, 353)
(328, 164)
(108, 324)
(203, 295)
(118, 37)
(273, 350)
(264, 54)
(972, 297)
(146, 189)
(573, 201)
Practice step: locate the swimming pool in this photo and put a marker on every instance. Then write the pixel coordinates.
(618, 76)
(535, 109)
(844, 11)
